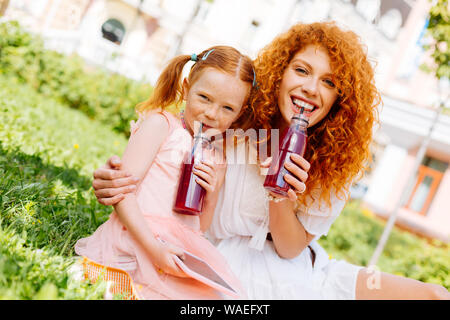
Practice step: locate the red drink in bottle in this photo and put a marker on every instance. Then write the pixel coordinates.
(190, 194)
(293, 140)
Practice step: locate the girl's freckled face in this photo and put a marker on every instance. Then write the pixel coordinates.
(215, 98)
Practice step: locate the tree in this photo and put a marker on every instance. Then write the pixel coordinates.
(439, 30)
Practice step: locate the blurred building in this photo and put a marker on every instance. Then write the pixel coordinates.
(137, 37)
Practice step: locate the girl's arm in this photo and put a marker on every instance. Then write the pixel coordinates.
(137, 158)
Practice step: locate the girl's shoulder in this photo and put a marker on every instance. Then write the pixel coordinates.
(157, 118)
(172, 120)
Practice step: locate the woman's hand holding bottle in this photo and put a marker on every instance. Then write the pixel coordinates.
(298, 168)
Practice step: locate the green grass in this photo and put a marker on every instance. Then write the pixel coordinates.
(39, 274)
(47, 155)
(51, 204)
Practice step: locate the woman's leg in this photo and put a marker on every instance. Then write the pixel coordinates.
(373, 285)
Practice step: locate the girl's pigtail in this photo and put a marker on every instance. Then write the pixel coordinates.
(168, 87)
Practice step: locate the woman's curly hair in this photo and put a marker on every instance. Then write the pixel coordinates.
(338, 146)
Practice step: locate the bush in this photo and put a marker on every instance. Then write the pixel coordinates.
(60, 136)
(104, 96)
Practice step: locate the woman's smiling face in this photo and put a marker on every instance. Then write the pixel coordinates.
(307, 82)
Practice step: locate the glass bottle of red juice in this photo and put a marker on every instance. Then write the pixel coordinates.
(190, 195)
(293, 140)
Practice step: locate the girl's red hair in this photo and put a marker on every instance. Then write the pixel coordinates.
(338, 146)
(168, 89)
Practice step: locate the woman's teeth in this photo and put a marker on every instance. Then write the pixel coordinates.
(302, 104)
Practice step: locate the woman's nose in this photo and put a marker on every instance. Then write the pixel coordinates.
(310, 86)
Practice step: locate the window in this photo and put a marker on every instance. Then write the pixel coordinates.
(113, 30)
(428, 178)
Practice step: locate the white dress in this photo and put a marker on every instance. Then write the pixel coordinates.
(239, 230)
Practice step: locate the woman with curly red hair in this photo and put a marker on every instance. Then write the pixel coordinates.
(271, 242)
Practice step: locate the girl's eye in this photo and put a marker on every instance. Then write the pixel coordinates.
(204, 97)
(228, 108)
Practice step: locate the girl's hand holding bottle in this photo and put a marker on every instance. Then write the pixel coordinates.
(211, 171)
(211, 175)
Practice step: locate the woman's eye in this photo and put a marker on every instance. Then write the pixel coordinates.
(301, 70)
(228, 108)
(330, 83)
(204, 97)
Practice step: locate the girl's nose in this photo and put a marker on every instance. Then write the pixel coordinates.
(211, 112)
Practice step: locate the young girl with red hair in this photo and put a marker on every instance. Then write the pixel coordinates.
(216, 93)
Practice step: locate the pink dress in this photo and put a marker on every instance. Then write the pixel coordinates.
(112, 245)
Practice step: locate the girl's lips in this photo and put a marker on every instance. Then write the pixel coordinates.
(210, 131)
(197, 124)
